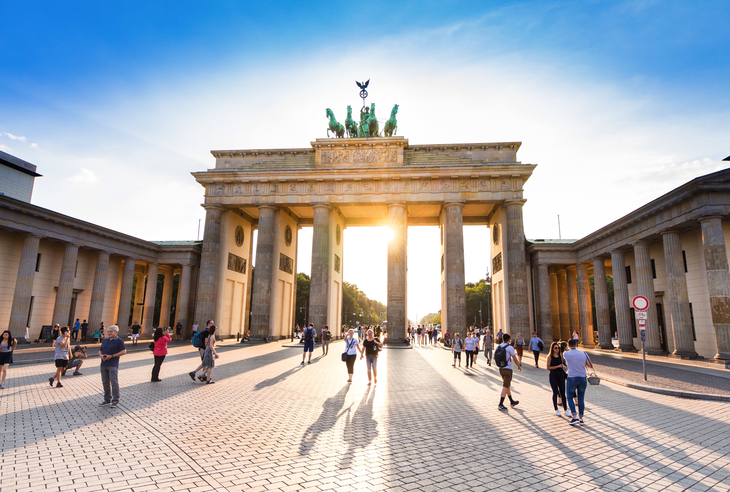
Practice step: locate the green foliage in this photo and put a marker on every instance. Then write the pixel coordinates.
(353, 301)
(431, 318)
(476, 293)
(302, 299)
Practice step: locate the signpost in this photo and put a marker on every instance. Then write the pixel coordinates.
(641, 304)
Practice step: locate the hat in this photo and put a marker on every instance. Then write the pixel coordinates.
(77, 348)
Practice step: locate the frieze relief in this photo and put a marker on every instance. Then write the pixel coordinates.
(369, 156)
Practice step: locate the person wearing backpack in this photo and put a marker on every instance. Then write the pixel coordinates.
(309, 334)
(456, 347)
(199, 342)
(504, 355)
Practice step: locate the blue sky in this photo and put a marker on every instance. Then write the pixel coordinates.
(117, 102)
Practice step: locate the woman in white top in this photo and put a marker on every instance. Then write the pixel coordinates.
(352, 347)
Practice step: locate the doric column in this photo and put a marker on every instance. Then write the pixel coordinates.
(546, 320)
(150, 299)
(571, 274)
(621, 302)
(138, 296)
(454, 269)
(125, 298)
(680, 319)
(718, 283)
(603, 315)
(183, 298)
(397, 272)
(554, 308)
(645, 282)
(261, 302)
(563, 302)
(209, 264)
(24, 286)
(585, 307)
(166, 302)
(519, 312)
(65, 285)
(319, 283)
(98, 292)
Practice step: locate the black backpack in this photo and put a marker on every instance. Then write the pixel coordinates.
(308, 335)
(500, 356)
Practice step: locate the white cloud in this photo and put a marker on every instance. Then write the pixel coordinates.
(84, 176)
(5, 148)
(14, 137)
(34, 145)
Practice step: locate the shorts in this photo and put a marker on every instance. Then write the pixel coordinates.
(6, 358)
(61, 362)
(135, 335)
(506, 377)
(457, 355)
(309, 346)
(73, 364)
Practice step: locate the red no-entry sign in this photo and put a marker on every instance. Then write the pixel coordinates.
(640, 303)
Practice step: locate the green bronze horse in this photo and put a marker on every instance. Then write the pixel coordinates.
(373, 122)
(391, 125)
(334, 127)
(350, 124)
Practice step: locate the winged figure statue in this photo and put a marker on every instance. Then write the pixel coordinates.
(362, 85)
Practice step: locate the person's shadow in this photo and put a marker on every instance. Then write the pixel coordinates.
(360, 430)
(331, 412)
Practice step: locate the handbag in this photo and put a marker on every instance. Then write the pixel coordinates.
(344, 354)
(593, 379)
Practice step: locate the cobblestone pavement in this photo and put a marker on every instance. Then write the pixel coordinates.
(270, 424)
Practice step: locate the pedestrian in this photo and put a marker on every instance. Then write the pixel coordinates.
(447, 339)
(84, 330)
(61, 355)
(352, 347)
(135, 333)
(556, 365)
(56, 332)
(209, 356)
(160, 351)
(504, 355)
(195, 328)
(500, 336)
(78, 354)
(519, 346)
(577, 361)
(7, 345)
(488, 345)
(97, 335)
(469, 348)
(112, 348)
(475, 356)
(178, 331)
(456, 347)
(202, 341)
(372, 347)
(309, 334)
(576, 335)
(75, 332)
(326, 337)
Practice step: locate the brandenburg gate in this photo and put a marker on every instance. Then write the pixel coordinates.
(349, 182)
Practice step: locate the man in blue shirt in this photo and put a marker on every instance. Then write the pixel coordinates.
(112, 348)
(75, 335)
(577, 361)
(308, 336)
(536, 346)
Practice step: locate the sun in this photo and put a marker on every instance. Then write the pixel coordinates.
(388, 234)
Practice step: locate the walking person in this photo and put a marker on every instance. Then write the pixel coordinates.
(556, 364)
(135, 333)
(160, 351)
(536, 345)
(84, 330)
(469, 348)
(326, 337)
(352, 347)
(577, 361)
(372, 347)
(209, 356)
(519, 346)
(202, 340)
(77, 327)
(60, 356)
(309, 334)
(7, 345)
(456, 347)
(504, 355)
(112, 348)
(178, 331)
(576, 335)
(500, 334)
(487, 345)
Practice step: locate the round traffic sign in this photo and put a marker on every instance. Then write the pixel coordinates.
(640, 303)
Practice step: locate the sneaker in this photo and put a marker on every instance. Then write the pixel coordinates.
(50, 380)
(568, 414)
(514, 404)
(302, 363)
(192, 375)
(59, 385)
(501, 407)
(309, 362)
(104, 403)
(114, 404)
(574, 421)
(557, 412)
(580, 422)
(2, 387)
(77, 373)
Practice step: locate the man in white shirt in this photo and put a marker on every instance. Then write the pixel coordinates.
(577, 361)
(506, 370)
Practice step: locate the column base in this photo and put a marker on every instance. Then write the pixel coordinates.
(722, 362)
(587, 346)
(395, 342)
(607, 346)
(626, 348)
(685, 355)
(656, 352)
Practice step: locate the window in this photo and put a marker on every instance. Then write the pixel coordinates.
(38, 263)
(633, 321)
(653, 269)
(628, 274)
(692, 318)
(684, 259)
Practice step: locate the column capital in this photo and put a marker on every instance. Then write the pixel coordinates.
(616, 252)
(571, 267)
(640, 242)
(516, 201)
(709, 217)
(669, 232)
(396, 204)
(322, 205)
(267, 206)
(459, 204)
(211, 206)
